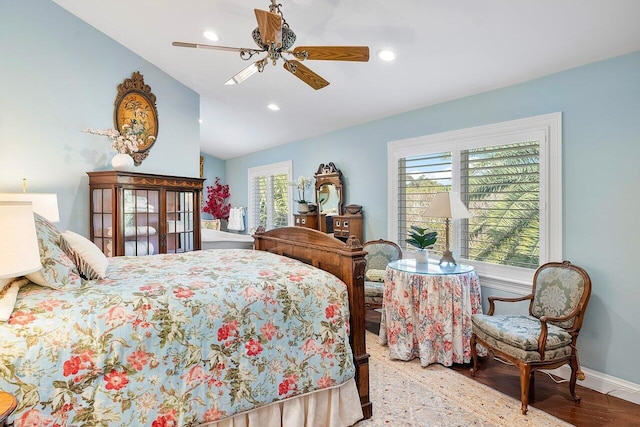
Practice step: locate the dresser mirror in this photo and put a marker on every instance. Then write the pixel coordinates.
(328, 199)
(329, 194)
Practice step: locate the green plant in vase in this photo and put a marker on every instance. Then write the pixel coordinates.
(422, 239)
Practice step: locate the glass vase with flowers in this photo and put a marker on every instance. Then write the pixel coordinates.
(301, 184)
(123, 143)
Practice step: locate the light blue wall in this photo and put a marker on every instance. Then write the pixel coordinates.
(213, 167)
(600, 104)
(59, 76)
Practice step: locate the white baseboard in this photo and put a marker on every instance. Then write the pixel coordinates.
(594, 380)
(603, 383)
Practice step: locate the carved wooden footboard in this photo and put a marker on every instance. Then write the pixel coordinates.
(343, 260)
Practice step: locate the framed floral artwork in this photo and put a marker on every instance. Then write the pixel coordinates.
(135, 113)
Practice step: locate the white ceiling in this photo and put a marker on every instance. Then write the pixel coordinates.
(446, 49)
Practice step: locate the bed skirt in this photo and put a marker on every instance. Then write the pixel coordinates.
(335, 407)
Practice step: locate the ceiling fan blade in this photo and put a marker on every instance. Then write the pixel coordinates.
(270, 25)
(302, 72)
(209, 46)
(243, 75)
(333, 53)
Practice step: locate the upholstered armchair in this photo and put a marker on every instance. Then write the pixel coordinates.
(379, 254)
(546, 338)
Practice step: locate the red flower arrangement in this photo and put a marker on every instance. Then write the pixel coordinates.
(216, 203)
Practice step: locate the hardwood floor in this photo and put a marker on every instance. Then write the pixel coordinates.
(594, 410)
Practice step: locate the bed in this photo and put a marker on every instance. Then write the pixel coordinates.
(216, 239)
(217, 338)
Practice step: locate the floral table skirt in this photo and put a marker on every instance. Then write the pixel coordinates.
(429, 316)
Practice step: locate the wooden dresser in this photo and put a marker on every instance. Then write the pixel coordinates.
(308, 220)
(144, 214)
(348, 225)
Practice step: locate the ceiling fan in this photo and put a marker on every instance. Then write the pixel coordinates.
(275, 38)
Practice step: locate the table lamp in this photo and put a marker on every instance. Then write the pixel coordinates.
(19, 253)
(447, 206)
(44, 204)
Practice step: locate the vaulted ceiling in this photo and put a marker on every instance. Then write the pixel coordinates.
(446, 49)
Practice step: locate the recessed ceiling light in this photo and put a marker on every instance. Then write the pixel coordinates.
(273, 107)
(387, 55)
(211, 35)
(200, 121)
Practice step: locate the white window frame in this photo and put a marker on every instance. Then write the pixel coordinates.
(272, 169)
(545, 128)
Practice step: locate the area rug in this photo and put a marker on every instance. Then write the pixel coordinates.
(405, 394)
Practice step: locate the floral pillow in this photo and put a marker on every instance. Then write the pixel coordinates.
(58, 271)
(88, 258)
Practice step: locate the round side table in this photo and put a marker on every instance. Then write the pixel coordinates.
(7, 404)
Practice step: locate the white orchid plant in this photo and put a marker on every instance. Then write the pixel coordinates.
(302, 183)
(126, 142)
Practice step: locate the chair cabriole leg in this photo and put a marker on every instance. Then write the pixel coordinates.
(525, 376)
(574, 376)
(474, 355)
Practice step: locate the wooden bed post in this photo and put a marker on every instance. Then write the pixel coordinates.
(345, 261)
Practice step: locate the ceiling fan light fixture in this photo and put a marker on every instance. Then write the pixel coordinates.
(210, 35)
(387, 55)
(243, 75)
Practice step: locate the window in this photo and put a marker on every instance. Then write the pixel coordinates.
(269, 196)
(509, 177)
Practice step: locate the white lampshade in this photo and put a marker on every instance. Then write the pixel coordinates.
(44, 204)
(19, 253)
(447, 205)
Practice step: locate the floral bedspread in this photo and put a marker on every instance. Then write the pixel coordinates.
(175, 340)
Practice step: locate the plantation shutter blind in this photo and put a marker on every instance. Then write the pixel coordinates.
(501, 187)
(419, 178)
(508, 175)
(269, 201)
(280, 200)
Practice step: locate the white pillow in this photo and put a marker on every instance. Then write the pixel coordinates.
(89, 259)
(8, 294)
